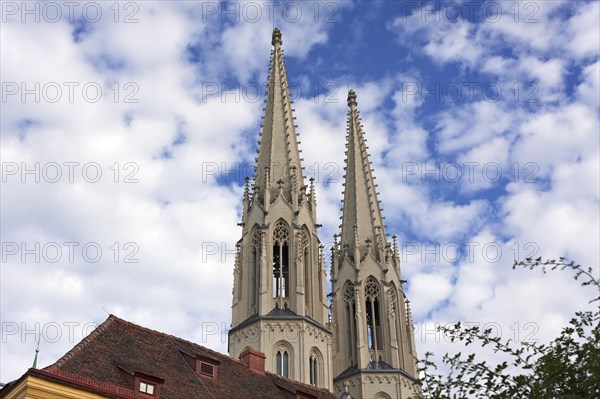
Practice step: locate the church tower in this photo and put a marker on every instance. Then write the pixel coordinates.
(374, 350)
(279, 293)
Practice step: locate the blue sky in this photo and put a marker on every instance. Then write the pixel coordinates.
(128, 128)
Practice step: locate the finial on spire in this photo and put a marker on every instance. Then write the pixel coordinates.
(37, 350)
(276, 39)
(352, 98)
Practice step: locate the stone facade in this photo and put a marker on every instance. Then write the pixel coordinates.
(302, 340)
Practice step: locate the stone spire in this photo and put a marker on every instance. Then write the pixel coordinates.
(280, 268)
(373, 321)
(278, 163)
(362, 222)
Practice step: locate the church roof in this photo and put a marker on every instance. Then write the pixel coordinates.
(278, 314)
(105, 361)
(375, 367)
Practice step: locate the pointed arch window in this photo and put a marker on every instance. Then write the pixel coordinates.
(372, 305)
(255, 271)
(304, 247)
(350, 307)
(396, 332)
(282, 362)
(315, 367)
(281, 268)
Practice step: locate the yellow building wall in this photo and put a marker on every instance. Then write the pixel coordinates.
(37, 388)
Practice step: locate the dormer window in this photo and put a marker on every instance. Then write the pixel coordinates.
(142, 381)
(206, 369)
(203, 364)
(148, 384)
(146, 387)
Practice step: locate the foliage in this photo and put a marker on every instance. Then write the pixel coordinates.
(566, 368)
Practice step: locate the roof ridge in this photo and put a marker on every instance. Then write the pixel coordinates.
(83, 343)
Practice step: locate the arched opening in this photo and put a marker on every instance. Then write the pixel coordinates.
(304, 247)
(283, 359)
(350, 316)
(321, 282)
(255, 249)
(314, 365)
(281, 264)
(373, 312)
(282, 363)
(397, 327)
(315, 371)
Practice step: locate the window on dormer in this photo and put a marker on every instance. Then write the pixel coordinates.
(146, 387)
(207, 369)
(142, 381)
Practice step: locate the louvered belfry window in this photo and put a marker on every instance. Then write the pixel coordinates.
(281, 270)
(372, 295)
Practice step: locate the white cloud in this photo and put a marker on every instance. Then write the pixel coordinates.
(560, 135)
(552, 141)
(465, 127)
(589, 88)
(443, 39)
(427, 291)
(454, 220)
(581, 39)
(409, 138)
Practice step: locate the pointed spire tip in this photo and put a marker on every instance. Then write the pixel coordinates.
(352, 98)
(35, 359)
(276, 39)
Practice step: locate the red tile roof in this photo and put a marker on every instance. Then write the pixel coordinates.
(105, 360)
